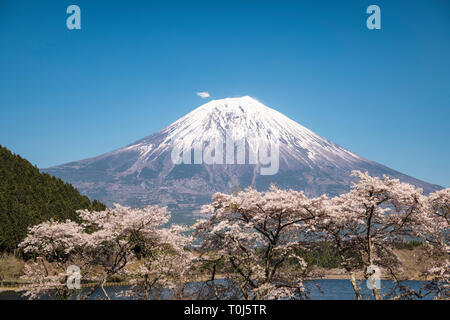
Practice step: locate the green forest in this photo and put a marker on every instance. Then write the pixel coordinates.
(29, 197)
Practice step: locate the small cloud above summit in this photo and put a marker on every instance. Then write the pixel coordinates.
(203, 94)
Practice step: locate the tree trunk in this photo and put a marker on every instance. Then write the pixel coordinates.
(355, 286)
(375, 291)
(103, 289)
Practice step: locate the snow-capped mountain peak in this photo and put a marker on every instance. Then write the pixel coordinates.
(246, 118)
(144, 172)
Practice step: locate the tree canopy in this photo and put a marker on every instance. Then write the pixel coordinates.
(29, 197)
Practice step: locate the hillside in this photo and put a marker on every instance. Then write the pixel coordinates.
(28, 197)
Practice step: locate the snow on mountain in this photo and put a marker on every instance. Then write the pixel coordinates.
(245, 117)
(144, 172)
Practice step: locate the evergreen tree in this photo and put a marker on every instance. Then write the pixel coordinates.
(29, 197)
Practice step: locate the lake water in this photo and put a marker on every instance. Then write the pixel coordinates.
(332, 290)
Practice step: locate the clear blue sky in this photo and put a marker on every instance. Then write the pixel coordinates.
(135, 67)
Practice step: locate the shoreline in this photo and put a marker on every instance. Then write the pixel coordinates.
(125, 283)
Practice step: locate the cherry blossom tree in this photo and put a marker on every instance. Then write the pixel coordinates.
(257, 235)
(371, 218)
(434, 231)
(54, 246)
(162, 268)
(251, 242)
(102, 246)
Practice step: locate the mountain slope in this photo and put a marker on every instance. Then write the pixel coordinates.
(144, 172)
(28, 197)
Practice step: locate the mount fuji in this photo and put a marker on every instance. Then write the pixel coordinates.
(144, 172)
